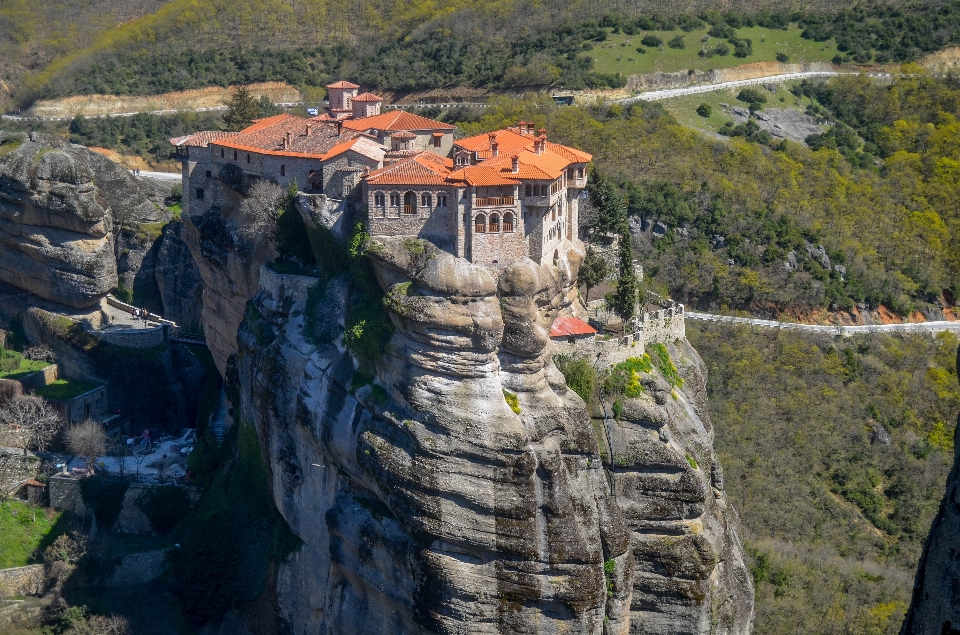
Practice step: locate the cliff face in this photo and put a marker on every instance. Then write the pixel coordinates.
(59, 206)
(935, 609)
(429, 504)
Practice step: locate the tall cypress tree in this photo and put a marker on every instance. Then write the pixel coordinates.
(243, 109)
(625, 297)
(611, 213)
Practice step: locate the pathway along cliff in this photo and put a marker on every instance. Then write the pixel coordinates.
(425, 502)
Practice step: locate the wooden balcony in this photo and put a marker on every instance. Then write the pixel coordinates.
(494, 201)
(409, 209)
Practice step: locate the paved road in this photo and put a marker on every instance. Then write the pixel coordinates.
(171, 111)
(160, 176)
(654, 95)
(918, 327)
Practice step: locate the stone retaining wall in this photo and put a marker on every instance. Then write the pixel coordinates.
(133, 337)
(41, 378)
(65, 494)
(27, 580)
(14, 467)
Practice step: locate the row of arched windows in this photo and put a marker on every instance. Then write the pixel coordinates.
(409, 200)
(494, 226)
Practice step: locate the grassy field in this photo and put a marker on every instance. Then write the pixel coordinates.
(64, 389)
(618, 54)
(23, 528)
(684, 108)
(26, 367)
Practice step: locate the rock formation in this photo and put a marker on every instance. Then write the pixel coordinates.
(935, 609)
(464, 488)
(178, 279)
(59, 207)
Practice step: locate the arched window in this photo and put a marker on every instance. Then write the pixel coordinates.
(248, 157)
(409, 203)
(379, 199)
(441, 200)
(221, 153)
(394, 199)
(426, 200)
(480, 224)
(508, 222)
(494, 223)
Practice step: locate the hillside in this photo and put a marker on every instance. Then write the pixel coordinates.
(152, 48)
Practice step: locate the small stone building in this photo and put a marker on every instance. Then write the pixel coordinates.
(92, 404)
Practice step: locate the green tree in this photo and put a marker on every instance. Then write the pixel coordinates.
(611, 214)
(593, 271)
(624, 298)
(704, 110)
(242, 110)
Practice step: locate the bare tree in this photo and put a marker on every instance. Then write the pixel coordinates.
(87, 440)
(139, 458)
(41, 353)
(119, 449)
(31, 421)
(259, 211)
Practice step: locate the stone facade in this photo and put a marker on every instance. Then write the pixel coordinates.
(91, 404)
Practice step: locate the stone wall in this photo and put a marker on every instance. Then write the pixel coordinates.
(140, 568)
(279, 286)
(15, 467)
(134, 337)
(92, 403)
(436, 224)
(665, 326)
(65, 495)
(27, 580)
(41, 378)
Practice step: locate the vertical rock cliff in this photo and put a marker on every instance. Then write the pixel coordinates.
(935, 608)
(462, 488)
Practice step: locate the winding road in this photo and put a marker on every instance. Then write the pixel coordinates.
(912, 327)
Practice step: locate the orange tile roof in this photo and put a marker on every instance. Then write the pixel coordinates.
(360, 145)
(566, 326)
(396, 120)
(481, 175)
(266, 137)
(571, 154)
(342, 84)
(420, 169)
(366, 97)
(508, 141)
(201, 139)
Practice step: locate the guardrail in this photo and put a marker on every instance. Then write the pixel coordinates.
(839, 329)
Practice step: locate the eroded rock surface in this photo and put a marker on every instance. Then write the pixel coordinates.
(59, 207)
(428, 504)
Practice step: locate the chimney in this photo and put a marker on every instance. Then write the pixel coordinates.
(289, 138)
(308, 130)
(339, 127)
(516, 164)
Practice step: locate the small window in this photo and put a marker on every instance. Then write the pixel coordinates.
(221, 153)
(494, 223)
(508, 222)
(526, 190)
(248, 157)
(283, 170)
(426, 200)
(441, 200)
(553, 214)
(199, 193)
(480, 225)
(378, 199)
(579, 173)
(394, 199)
(209, 174)
(234, 155)
(436, 142)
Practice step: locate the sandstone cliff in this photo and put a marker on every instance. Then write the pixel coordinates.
(59, 207)
(935, 609)
(464, 490)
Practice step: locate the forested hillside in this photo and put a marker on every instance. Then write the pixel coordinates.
(54, 49)
(835, 452)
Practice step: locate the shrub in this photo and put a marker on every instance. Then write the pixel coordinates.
(783, 58)
(651, 41)
(624, 378)
(676, 43)
(512, 401)
(704, 110)
(9, 361)
(581, 377)
(751, 96)
(722, 49)
(661, 357)
(641, 50)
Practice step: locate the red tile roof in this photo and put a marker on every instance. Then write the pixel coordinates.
(567, 326)
(266, 136)
(396, 120)
(366, 97)
(201, 139)
(424, 168)
(342, 84)
(508, 141)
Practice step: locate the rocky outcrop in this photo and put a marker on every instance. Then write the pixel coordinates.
(59, 207)
(178, 279)
(464, 489)
(935, 609)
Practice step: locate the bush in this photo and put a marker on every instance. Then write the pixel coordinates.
(624, 378)
(581, 377)
(704, 110)
(9, 361)
(783, 58)
(752, 96)
(676, 43)
(641, 50)
(722, 49)
(512, 401)
(651, 41)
